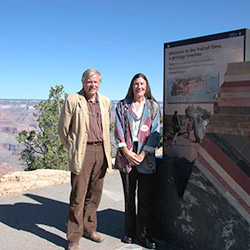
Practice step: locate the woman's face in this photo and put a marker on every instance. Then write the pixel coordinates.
(139, 87)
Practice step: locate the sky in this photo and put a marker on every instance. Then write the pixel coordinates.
(44, 43)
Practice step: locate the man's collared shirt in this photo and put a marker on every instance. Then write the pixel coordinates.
(95, 120)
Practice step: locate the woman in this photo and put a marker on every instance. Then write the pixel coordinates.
(137, 135)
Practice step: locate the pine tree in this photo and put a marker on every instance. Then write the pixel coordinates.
(43, 148)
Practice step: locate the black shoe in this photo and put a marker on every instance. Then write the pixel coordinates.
(127, 239)
(146, 242)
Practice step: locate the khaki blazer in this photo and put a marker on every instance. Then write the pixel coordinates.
(74, 125)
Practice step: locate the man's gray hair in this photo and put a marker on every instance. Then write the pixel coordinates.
(90, 72)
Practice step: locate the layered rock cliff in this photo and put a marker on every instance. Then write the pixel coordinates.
(15, 116)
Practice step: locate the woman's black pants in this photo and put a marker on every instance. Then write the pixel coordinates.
(145, 190)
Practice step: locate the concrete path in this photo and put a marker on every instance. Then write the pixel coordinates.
(37, 220)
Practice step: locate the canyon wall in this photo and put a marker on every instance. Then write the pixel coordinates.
(15, 116)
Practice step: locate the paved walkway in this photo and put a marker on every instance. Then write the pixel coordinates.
(37, 220)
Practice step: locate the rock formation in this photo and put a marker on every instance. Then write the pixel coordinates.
(22, 181)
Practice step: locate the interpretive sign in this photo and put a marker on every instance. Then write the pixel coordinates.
(206, 131)
(193, 70)
(193, 74)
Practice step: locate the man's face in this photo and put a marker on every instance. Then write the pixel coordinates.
(91, 86)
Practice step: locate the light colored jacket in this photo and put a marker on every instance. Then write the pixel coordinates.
(74, 125)
(148, 136)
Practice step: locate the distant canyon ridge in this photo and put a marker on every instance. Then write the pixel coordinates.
(15, 116)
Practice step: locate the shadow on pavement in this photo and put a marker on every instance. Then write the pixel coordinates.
(29, 217)
(111, 222)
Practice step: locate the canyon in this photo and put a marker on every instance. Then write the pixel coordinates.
(15, 116)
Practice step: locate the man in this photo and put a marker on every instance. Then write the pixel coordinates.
(84, 130)
(176, 122)
(176, 126)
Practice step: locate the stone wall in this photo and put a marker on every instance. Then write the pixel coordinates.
(190, 213)
(12, 183)
(22, 181)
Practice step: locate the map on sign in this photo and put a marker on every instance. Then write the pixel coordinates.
(199, 88)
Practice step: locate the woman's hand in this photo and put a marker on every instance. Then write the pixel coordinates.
(132, 157)
(142, 155)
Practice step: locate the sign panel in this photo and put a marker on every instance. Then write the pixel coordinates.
(193, 73)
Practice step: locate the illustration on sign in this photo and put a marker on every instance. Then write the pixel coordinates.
(199, 88)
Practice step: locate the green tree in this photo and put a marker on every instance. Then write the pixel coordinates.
(112, 139)
(43, 148)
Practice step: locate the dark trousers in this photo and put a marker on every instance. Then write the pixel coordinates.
(86, 191)
(145, 190)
